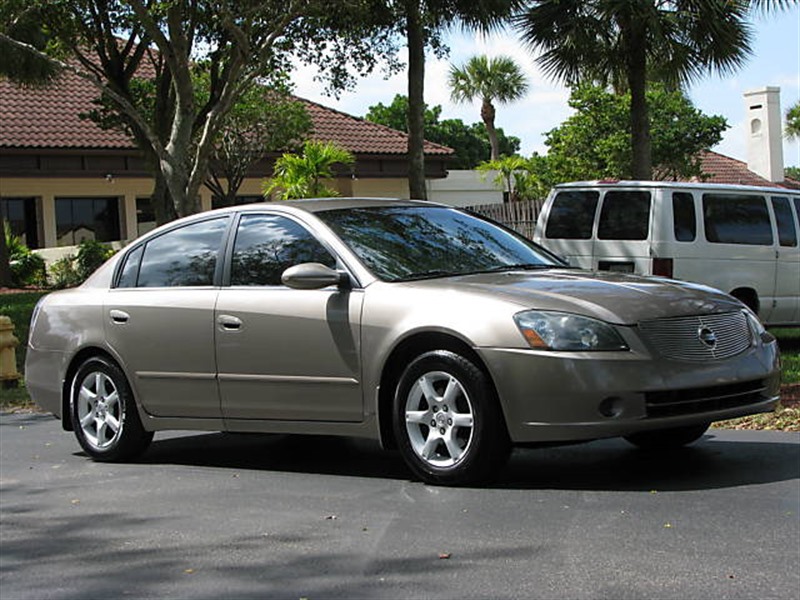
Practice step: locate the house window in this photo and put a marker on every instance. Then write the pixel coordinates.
(145, 215)
(79, 219)
(20, 214)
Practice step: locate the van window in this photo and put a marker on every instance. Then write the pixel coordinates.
(736, 219)
(572, 215)
(787, 234)
(625, 216)
(684, 222)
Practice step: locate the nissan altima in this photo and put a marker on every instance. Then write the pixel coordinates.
(435, 331)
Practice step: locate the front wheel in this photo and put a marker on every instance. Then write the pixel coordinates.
(103, 412)
(665, 439)
(447, 420)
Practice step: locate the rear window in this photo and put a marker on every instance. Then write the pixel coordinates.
(625, 216)
(684, 222)
(736, 219)
(572, 215)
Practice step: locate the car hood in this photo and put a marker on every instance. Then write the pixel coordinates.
(612, 297)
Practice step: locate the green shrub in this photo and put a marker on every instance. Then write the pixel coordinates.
(27, 268)
(63, 273)
(72, 271)
(91, 254)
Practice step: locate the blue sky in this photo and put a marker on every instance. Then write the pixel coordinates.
(775, 62)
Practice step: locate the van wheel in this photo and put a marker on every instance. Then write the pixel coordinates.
(665, 439)
(447, 421)
(103, 413)
(747, 297)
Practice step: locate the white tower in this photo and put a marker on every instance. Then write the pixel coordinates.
(764, 133)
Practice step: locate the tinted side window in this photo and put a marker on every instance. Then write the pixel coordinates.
(267, 245)
(735, 219)
(787, 234)
(625, 216)
(572, 215)
(183, 257)
(130, 270)
(684, 221)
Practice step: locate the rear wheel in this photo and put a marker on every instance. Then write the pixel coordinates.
(103, 412)
(663, 439)
(447, 420)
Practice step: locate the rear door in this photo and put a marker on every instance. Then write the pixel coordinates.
(160, 319)
(786, 307)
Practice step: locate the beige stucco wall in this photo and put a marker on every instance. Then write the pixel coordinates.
(46, 190)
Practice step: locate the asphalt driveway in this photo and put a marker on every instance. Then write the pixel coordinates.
(250, 516)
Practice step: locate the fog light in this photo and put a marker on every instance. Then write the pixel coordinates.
(611, 407)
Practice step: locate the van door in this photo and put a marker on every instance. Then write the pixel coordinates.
(741, 247)
(569, 224)
(786, 307)
(622, 241)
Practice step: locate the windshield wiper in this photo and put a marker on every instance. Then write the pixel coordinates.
(431, 274)
(519, 267)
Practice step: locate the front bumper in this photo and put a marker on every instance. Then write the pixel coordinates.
(562, 397)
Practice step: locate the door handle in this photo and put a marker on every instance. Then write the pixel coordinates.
(229, 322)
(119, 316)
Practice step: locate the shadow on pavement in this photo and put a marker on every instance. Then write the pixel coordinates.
(601, 465)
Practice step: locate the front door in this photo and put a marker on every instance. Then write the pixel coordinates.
(283, 353)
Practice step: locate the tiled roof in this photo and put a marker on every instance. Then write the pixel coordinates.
(724, 169)
(48, 117)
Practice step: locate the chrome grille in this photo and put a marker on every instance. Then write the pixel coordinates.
(699, 338)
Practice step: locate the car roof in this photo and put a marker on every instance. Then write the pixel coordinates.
(314, 205)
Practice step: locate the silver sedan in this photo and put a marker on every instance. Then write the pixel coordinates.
(432, 330)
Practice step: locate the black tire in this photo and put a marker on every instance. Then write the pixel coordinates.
(103, 412)
(462, 432)
(665, 439)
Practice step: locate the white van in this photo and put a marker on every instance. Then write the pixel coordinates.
(740, 239)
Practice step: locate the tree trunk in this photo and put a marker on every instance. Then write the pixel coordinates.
(487, 114)
(641, 159)
(5, 266)
(416, 101)
(161, 201)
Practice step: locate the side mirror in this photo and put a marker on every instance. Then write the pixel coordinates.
(313, 276)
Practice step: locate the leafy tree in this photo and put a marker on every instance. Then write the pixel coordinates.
(470, 142)
(264, 120)
(489, 80)
(122, 47)
(793, 122)
(792, 173)
(632, 41)
(595, 143)
(302, 176)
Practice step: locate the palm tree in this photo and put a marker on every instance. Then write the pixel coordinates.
(491, 80)
(302, 176)
(422, 22)
(792, 130)
(631, 41)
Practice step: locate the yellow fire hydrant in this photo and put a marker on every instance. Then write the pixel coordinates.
(9, 377)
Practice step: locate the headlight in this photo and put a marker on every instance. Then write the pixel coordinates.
(564, 331)
(756, 328)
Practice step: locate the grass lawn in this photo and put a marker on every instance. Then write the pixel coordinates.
(19, 307)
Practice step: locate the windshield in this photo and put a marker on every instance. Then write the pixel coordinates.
(400, 243)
